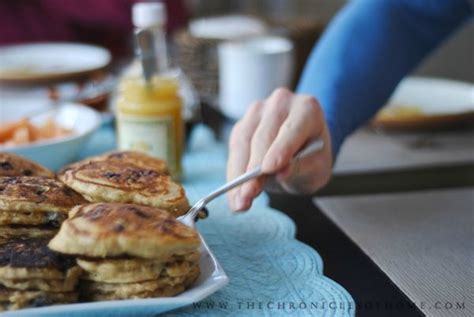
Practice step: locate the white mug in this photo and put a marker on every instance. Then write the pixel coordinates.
(250, 70)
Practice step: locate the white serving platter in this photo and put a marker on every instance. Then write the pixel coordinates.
(212, 278)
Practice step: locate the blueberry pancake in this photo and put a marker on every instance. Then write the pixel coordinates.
(129, 251)
(14, 299)
(126, 177)
(164, 286)
(114, 230)
(136, 158)
(32, 275)
(32, 231)
(34, 201)
(15, 165)
(129, 269)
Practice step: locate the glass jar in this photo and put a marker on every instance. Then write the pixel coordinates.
(149, 119)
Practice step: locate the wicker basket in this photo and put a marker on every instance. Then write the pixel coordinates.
(198, 59)
(198, 56)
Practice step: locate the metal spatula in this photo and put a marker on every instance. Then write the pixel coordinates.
(190, 216)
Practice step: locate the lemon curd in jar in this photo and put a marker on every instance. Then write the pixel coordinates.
(149, 119)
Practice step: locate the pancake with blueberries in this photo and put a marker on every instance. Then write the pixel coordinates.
(32, 275)
(129, 251)
(164, 286)
(15, 299)
(36, 203)
(15, 165)
(136, 158)
(127, 269)
(32, 231)
(126, 177)
(113, 229)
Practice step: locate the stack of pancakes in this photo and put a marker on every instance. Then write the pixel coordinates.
(34, 206)
(115, 250)
(126, 177)
(31, 210)
(129, 251)
(31, 275)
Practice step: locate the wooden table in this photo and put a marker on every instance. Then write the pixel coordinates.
(423, 241)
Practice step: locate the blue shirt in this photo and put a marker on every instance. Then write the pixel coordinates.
(367, 49)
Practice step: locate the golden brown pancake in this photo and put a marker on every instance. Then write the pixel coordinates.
(111, 229)
(161, 287)
(126, 177)
(138, 159)
(22, 254)
(87, 295)
(20, 218)
(36, 194)
(120, 270)
(126, 290)
(15, 299)
(47, 285)
(31, 218)
(15, 165)
(27, 264)
(12, 273)
(129, 270)
(25, 231)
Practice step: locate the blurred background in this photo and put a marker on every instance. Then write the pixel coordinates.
(448, 61)
(228, 54)
(108, 24)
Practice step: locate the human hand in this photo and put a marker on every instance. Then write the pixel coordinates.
(270, 134)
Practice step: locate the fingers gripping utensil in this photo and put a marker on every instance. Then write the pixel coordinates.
(190, 216)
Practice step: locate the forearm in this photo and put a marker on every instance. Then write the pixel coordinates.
(368, 48)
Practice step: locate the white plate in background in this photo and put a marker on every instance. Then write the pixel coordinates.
(39, 62)
(435, 96)
(424, 102)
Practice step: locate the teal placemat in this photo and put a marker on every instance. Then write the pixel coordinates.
(271, 273)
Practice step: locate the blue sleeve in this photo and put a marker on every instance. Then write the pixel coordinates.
(367, 49)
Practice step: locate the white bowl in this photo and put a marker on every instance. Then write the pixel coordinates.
(57, 152)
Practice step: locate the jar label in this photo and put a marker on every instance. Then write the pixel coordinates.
(152, 135)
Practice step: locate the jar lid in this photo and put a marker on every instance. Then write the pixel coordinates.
(147, 14)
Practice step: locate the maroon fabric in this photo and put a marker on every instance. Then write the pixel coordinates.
(102, 22)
